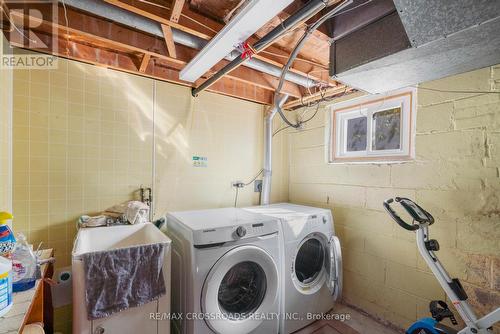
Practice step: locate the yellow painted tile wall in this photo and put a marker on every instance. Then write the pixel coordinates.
(456, 176)
(83, 141)
(226, 131)
(79, 147)
(5, 134)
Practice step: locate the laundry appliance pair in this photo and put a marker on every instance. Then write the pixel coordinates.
(266, 269)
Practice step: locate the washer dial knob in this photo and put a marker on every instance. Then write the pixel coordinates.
(241, 231)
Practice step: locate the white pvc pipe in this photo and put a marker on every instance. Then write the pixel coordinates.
(268, 144)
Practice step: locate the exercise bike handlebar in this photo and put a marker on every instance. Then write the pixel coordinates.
(416, 212)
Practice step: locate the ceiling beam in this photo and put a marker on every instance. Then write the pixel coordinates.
(132, 7)
(105, 34)
(123, 62)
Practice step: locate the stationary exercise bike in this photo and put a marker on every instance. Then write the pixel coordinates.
(456, 293)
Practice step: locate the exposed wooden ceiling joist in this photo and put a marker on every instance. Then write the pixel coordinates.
(105, 34)
(101, 42)
(123, 62)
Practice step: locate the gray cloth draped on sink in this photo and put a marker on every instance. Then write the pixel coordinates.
(119, 279)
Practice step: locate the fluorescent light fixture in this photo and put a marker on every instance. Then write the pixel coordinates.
(250, 19)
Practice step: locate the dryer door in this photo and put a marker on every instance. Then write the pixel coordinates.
(309, 264)
(239, 290)
(334, 279)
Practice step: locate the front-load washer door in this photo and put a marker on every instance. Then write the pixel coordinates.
(334, 267)
(240, 291)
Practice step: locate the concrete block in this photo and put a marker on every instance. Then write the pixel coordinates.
(368, 222)
(413, 281)
(311, 156)
(450, 145)
(422, 175)
(476, 102)
(302, 192)
(471, 81)
(401, 303)
(350, 239)
(477, 122)
(480, 233)
(435, 118)
(450, 204)
(308, 137)
(396, 250)
(365, 264)
(350, 196)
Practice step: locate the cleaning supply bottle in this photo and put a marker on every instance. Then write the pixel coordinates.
(7, 240)
(23, 265)
(5, 285)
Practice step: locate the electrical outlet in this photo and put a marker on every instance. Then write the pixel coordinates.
(257, 186)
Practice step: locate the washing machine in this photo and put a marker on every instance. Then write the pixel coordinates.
(311, 266)
(225, 271)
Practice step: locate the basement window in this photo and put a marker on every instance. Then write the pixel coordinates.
(375, 128)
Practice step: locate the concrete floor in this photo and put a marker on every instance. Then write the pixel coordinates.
(357, 324)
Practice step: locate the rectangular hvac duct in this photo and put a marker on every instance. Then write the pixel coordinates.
(414, 42)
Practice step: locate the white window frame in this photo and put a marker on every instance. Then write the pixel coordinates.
(367, 106)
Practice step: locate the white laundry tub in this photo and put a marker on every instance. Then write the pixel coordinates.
(143, 319)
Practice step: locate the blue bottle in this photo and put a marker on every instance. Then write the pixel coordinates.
(23, 265)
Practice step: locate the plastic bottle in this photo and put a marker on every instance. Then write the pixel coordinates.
(23, 265)
(5, 285)
(7, 240)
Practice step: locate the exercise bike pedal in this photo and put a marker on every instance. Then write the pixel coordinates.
(440, 310)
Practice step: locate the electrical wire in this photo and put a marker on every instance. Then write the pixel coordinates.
(317, 104)
(457, 91)
(295, 52)
(338, 10)
(255, 178)
(243, 185)
(281, 129)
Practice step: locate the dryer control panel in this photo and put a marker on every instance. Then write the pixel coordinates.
(219, 235)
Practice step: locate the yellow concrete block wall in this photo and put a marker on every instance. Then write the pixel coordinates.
(456, 176)
(87, 137)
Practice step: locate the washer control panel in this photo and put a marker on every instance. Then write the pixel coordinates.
(233, 233)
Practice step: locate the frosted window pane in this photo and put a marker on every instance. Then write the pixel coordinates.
(356, 134)
(387, 130)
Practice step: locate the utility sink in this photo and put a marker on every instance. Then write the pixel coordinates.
(133, 320)
(95, 239)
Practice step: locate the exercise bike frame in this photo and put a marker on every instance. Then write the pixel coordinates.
(473, 325)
